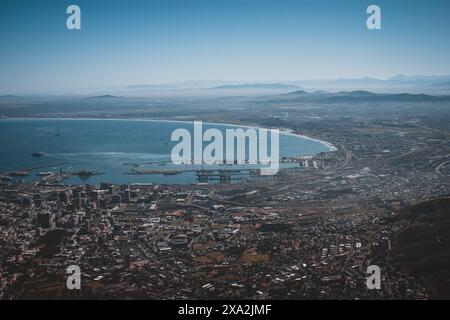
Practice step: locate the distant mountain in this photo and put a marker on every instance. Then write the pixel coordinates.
(423, 246)
(359, 93)
(360, 96)
(297, 93)
(395, 80)
(106, 96)
(412, 84)
(190, 84)
(374, 97)
(418, 79)
(350, 82)
(252, 86)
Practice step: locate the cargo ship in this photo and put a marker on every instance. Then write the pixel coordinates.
(37, 154)
(171, 172)
(44, 174)
(19, 174)
(86, 174)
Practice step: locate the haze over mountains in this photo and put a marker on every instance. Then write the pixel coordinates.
(400, 83)
(360, 96)
(420, 84)
(187, 107)
(321, 97)
(433, 85)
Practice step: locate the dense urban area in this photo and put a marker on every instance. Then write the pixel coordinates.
(310, 232)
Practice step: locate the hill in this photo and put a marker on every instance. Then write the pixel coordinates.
(424, 248)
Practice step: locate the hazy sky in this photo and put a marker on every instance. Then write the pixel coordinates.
(159, 41)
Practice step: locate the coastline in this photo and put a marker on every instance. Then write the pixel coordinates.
(284, 131)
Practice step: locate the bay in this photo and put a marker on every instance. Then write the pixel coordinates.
(111, 147)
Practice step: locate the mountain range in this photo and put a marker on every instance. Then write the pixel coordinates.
(439, 84)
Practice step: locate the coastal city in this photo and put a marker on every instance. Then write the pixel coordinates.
(309, 232)
(224, 158)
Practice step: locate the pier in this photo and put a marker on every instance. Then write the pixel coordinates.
(203, 176)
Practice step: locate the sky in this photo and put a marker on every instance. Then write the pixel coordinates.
(163, 41)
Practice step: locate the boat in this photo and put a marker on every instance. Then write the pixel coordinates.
(37, 154)
(44, 174)
(19, 174)
(171, 172)
(86, 174)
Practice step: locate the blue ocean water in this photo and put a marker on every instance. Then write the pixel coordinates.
(109, 146)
